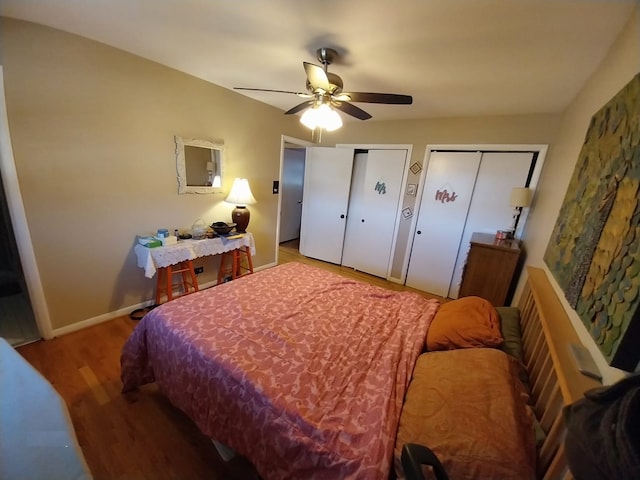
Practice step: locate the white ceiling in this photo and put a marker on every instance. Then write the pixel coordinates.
(456, 57)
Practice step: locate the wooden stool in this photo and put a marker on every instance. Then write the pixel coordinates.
(166, 287)
(236, 267)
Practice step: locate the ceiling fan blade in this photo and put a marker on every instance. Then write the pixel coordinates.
(300, 94)
(351, 110)
(299, 108)
(317, 77)
(390, 98)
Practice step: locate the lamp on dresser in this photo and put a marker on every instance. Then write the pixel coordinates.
(520, 198)
(241, 196)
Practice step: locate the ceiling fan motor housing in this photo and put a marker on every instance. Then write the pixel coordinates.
(326, 55)
(335, 83)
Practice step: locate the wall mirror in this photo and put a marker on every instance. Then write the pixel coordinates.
(199, 165)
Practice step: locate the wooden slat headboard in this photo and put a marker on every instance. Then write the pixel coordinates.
(553, 376)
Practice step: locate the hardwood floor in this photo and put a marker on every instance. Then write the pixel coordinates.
(138, 435)
(288, 252)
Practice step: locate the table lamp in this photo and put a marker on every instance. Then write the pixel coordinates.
(520, 198)
(241, 196)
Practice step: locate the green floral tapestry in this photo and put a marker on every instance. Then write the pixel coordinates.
(594, 250)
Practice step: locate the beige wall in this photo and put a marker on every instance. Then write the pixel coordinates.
(617, 69)
(92, 130)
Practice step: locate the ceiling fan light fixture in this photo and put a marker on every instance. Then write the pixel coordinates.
(325, 90)
(322, 116)
(329, 119)
(310, 118)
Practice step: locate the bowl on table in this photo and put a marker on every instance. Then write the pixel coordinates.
(222, 228)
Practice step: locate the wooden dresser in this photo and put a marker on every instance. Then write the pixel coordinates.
(491, 268)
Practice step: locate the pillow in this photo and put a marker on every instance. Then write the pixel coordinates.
(465, 323)
(510, 328)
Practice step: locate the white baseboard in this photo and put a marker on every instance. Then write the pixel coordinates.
(74, 327)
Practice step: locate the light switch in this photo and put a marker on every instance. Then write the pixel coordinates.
(276, 187)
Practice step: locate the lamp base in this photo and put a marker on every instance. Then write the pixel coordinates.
(240, 216)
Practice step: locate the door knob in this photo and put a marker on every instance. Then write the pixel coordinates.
(342, 216)
(362, 220)
(419, 232)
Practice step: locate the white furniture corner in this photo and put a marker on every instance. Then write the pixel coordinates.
(37, 436)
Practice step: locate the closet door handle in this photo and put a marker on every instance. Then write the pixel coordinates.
(342, 216)
(362, 220)
(419, 232)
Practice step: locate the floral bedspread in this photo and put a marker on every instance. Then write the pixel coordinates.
(300, 370)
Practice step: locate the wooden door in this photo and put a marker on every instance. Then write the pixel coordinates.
(446, 196)
(325, 200)
(373, 210)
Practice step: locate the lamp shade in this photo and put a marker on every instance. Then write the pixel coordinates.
(520, 197)
(322, 116)
(240, 193)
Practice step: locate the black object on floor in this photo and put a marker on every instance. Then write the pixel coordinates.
(138, 313)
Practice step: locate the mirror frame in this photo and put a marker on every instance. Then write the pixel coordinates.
(182, 169)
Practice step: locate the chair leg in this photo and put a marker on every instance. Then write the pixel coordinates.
(184, 273)
(194, 279)
(165, 283)
(235, 268)
(161, 272)
(235, 273)
(220, 269)
(247, 251)
(169, 280)
(223, 269)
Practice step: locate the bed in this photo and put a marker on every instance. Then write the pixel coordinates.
(309, 374)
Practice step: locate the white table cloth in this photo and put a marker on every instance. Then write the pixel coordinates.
(153, 258)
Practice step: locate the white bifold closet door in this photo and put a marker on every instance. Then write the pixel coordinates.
(373, 210)
(446, 196)
(325, 201)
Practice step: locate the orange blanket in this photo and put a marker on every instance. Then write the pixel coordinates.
(470, 408)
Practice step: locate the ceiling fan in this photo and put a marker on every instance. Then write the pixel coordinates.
(325, 88)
